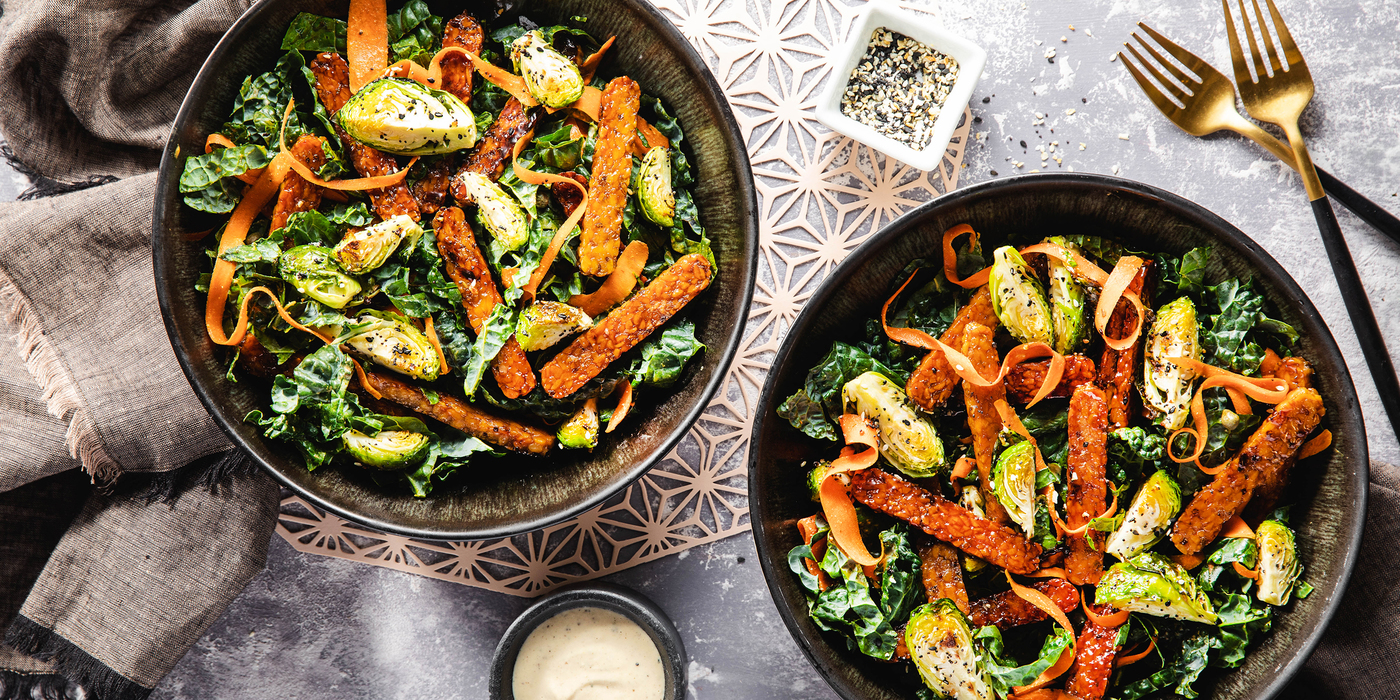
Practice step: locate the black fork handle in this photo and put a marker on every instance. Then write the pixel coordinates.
(1369, 211)
(1359, 308)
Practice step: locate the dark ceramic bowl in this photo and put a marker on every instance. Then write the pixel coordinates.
(592, 595)
(509, 495)
(1331, 498)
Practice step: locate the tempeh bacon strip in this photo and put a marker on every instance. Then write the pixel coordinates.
(1086, 488)
(982, 416)
(1093, 660)
(600, 240)
(1270, 391)
(626, 325)
(942, 574)
(1006, 610)
(455, 70)
(298, 195)
(1277, 439)
(504, 432)
(933, 381)
(1025, 379)
(930, 512)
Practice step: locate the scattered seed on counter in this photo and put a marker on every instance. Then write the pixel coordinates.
(899, 86)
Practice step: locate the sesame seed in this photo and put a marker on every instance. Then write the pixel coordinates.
(899, 87)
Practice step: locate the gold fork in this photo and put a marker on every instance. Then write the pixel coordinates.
(1279, 96)
(1209, 106)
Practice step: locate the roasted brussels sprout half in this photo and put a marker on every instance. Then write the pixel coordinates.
(1149, 517)
(908, 441)
(312, 270)
(1166, 385)
(654, 187)
(388, 450)
(1018, 299)
(971, 498)
(545, 323)
(551, 77)
(1013, 483)
(940, 643)
(1279, 568)
(406, 118)
(1152, 584)
(497, 211)
(814, 480)
(1067, 305)
(389, 341)
(367, 248)
(580, 432)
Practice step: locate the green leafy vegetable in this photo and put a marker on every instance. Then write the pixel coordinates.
(823, 387)
(1003, 674)
(664, 356)
(315, 33)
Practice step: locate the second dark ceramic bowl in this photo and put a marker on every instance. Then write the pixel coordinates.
(1331, 497)
(512, 494)
(624, 601)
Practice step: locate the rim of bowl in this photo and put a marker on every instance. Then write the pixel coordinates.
(620, 599)
(748, 194)
(1246, 246)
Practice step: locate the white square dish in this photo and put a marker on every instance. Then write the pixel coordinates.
(971, 60)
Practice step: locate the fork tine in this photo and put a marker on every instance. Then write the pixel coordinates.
(1171, 67)
(1193, 62)
(1290, 49)
(1242, 75)
(1268, 41)
(1161, 79)
(1260, 66)
(1149, 88)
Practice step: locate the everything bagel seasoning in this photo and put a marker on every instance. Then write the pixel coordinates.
(898, 88)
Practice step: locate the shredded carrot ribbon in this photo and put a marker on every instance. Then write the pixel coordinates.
(618, 284)
(590, 64)
(1237, 528)
(1053, 572)
(254, 199)
(962, 468)
(1113, 619)
(1043, 694)
(1014, 424)
(556, 243)
(1065, 529)
(1131, 659)
(950, 259)
(366, 41)
(962, 366)
(1263, 390)
(1247, 573)
(357, 184)
(1316, 445)
(437, 345)
(1188, 561)
(364, 381)
(1042, 601)
(648, 138)
(1115, 288)
(808, 529)
(836, 498)
(624, 406)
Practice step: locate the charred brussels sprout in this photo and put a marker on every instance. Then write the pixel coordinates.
(580, 432)
(908, 441)
(367, 248)
(390, 342)
(1067, 306)
(406, 118)
(814, 480)
(551, 77)
(1018, 299)
(1013, 482)
(940, 643)
(497, 211)
(545, 323)
(654, 187)
(1152, 584)
(388, 450)
(1148, 518)
(1279, 568)
(1166, 385)
(312, 270)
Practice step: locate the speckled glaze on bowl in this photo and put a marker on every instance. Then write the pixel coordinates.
(624, 601)
(513, 494)
(1328, 522)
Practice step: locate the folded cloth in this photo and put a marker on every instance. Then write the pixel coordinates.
(105, 588)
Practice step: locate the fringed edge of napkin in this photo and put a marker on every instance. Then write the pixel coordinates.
(71, 662)
(28, 686)
(60, 391)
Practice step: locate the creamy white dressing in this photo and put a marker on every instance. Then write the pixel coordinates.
(588, 654)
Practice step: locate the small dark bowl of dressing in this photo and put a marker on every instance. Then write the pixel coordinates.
(600, 630)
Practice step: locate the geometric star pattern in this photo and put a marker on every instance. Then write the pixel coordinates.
(820, 194)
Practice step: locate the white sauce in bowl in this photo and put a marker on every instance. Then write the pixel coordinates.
(588, 654)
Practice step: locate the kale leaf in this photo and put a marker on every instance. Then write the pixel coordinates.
(664, 356)
(823, 387)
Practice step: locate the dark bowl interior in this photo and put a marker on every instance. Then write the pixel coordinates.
(507, 495)
(1331, 498)
(624, 601)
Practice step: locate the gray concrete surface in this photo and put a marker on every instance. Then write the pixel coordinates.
(311, 627)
